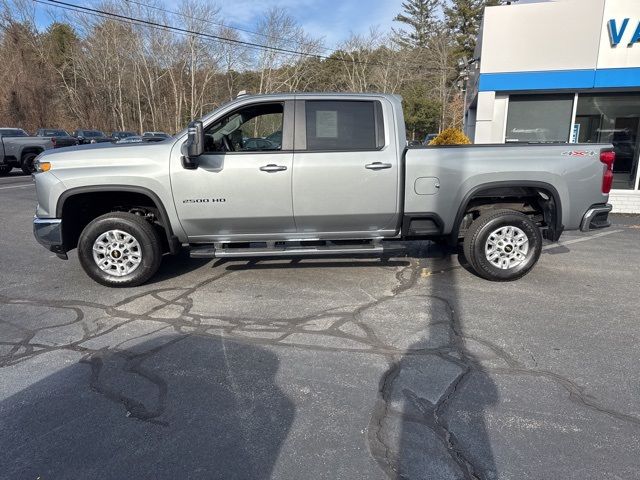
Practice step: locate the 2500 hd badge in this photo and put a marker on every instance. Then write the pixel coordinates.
(204, 200)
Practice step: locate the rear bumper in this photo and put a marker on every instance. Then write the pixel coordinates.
(48, 233)
(596, 217)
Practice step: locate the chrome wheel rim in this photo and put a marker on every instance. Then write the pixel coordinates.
(507, 247)
(117, 253)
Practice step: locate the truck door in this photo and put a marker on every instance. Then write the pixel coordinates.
(242, 186)
(345, 176)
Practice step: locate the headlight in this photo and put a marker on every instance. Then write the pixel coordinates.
(42, 166)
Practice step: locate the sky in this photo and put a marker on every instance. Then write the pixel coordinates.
(331, 20)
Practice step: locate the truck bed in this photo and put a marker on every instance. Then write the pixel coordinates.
(440, 178)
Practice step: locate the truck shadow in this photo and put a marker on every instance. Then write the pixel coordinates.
(172, 407)
(175, 265)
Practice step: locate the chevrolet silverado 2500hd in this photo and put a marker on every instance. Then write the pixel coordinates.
(312, 174)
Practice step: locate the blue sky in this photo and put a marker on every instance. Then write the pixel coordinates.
(332, 20)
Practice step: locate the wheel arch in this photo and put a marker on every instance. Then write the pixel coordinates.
(552, 210)
(172, 240)
(29, 149)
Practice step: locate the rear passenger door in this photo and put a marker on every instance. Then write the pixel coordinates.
(345, 173)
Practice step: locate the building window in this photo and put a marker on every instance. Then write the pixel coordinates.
(613, 118)
(539, 118)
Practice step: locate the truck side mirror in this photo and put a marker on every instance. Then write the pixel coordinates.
(194, 145)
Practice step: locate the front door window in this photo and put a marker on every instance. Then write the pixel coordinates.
(250, 129)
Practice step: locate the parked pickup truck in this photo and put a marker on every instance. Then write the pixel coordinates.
(335, 178)
(60, 138)
(18, 149)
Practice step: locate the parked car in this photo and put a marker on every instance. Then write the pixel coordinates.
(342, 183)
(414, 143)
(19, 150)
(275, 138)
(150, 139)
(116, 136)
(258, 144)
(131, 139)
(156, 135)
(91, 136)
(428, 138)
(60, 138)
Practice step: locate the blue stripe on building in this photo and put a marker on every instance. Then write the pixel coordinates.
(560, 79)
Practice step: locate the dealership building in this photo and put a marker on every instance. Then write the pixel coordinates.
(562, 71)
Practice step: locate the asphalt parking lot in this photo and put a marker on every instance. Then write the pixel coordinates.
(320, 369)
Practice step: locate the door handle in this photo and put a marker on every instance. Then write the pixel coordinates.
(377, 166)
(272, 167)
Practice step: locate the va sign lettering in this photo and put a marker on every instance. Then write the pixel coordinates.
(617, 32)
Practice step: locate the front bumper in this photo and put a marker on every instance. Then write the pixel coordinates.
(48, 233)
(596, 217)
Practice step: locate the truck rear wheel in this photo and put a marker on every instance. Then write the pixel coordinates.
(502, 245)
(120, 250)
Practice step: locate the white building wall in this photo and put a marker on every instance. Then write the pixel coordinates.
(625, 201)
(541, 36)
(491, 117)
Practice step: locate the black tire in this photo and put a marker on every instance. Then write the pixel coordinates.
(136, 226)
(5, 169)
(475, 242)
(27, 163)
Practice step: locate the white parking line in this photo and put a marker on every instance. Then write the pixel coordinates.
(18, 186)
(582, 239)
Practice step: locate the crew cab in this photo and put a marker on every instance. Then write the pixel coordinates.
(335, 177)
(19, 150)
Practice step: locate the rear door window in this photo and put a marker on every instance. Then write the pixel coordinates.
(343, 125)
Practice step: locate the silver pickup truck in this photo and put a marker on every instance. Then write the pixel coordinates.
(18, 149)
(312, 174)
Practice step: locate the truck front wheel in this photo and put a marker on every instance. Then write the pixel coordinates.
(5, 169)
(502, 245)
(27, 164)
(120, 250)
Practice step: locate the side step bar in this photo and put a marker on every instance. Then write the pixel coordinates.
(217, 251)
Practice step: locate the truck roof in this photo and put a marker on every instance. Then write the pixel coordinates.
(291, 95)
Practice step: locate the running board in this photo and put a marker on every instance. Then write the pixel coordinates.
(215, 251)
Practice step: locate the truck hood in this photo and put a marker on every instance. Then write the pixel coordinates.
(108, 162)
(105, 151)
